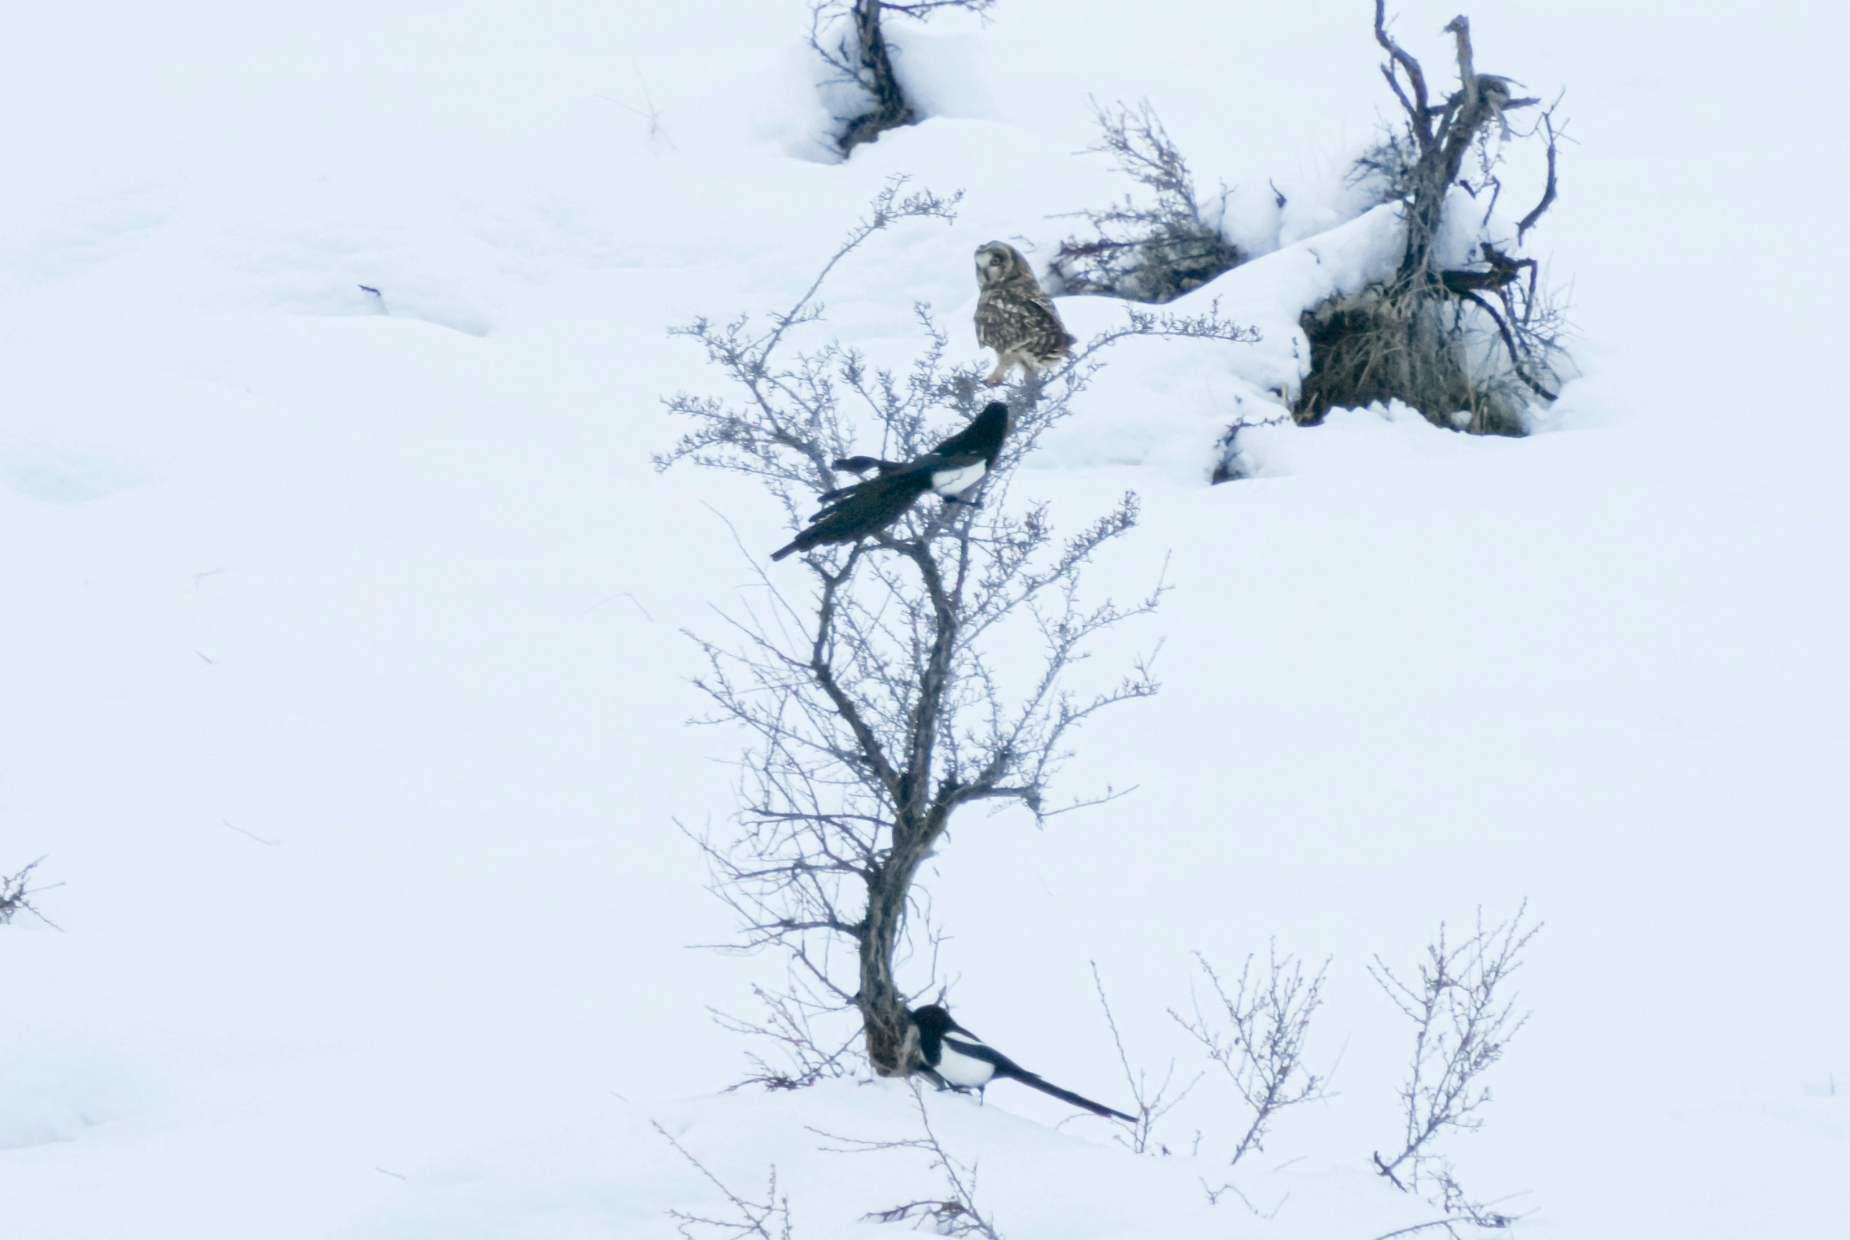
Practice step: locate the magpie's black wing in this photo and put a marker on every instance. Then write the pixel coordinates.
(895, 490)
(918, 472)
(829, 499)
(853, 517)
(979, 441)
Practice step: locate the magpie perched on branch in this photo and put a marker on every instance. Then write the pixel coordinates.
(957, 1058)
(952, 470)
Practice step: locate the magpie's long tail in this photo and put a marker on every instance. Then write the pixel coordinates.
(1065, 1095)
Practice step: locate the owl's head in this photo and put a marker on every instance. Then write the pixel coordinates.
(998, 261)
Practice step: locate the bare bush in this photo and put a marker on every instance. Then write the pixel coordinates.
(1153, 1099)
(1464, 1017)
(847, 35)
(871, 699)
(955, 1215)
(1151, 251)
(1230, 462)
(16, 892)
(767, 1220)
(1261, 1045)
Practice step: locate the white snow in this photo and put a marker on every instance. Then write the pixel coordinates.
(344, 674)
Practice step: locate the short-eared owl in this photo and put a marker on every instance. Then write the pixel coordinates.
(1013, 316)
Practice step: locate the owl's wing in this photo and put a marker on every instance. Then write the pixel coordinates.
(1044, 304)
(1006, 322)
(992, 319)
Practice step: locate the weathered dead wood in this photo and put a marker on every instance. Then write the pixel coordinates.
(891, 108)
(1408, 339)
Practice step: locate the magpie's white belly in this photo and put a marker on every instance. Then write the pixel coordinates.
(963, 1070)
(957, 481)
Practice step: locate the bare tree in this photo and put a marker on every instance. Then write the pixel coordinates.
(1410, 340)
(16, 892)
(1261, 1046)
(1464, 1017)
(1151, 251)
(848, 37)
(869, 688)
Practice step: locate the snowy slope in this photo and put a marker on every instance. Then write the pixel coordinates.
(343, 668)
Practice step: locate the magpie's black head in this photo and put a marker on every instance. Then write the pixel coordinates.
(932, 1019)
(986, 432)
(995, 414)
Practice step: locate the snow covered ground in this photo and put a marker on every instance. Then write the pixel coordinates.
(343, 669)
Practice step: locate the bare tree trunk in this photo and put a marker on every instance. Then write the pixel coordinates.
(882, 1003)
(891, 108)
(919, 819)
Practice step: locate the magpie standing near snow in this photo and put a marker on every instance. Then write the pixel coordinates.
(952, 469)
(958, 1058)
